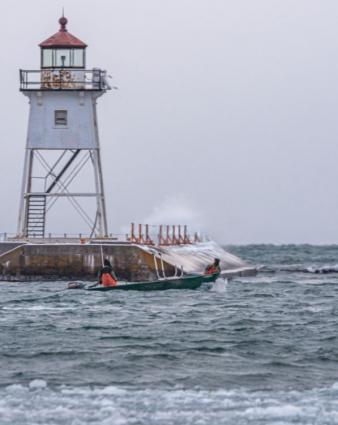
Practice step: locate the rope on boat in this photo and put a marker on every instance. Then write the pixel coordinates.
(163, 272)
(156, 267)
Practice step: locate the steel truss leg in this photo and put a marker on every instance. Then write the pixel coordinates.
(60, 183)
(25, 188)
(100, 198)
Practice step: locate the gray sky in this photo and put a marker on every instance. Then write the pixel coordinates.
(226, 113)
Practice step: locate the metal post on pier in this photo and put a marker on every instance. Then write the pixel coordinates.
(160, 235)
(186, 239)
(148, 239)
(140, 235)
(167, 241)
(132, 233)
(180, 238)
(174, 240)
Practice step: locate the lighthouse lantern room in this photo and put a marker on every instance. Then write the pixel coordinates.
(62, 135)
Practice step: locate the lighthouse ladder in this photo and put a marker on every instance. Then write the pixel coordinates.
(36, 215)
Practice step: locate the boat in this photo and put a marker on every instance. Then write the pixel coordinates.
(191, 281)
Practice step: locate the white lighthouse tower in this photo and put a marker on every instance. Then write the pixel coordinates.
(62, 135)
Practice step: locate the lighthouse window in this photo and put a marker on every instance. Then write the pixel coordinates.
(60, 118)
(78, 58)
(62, 57)
(47, 58)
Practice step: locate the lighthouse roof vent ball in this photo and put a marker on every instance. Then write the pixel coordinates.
(63, 38)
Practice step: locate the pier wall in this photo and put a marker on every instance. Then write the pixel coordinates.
(8, 246)
(64, 261)
(68, 261)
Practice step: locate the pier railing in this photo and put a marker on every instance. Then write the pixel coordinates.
(65, 238)
(63, 79)
(169, 234)
(142, 234)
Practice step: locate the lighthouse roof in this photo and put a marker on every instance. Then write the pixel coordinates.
(63, 38)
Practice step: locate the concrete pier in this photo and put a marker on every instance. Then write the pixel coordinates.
(63, 261)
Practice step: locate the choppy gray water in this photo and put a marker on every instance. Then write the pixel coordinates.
(257, 350)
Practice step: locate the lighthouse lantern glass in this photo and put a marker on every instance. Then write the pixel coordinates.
(63, 58)
(79, 58)
(47, 58)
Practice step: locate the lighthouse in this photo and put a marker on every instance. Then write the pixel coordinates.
(62, 137)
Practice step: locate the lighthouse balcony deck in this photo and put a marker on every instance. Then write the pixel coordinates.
(57, 79)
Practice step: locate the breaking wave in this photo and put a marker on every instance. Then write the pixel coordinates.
(37, 403)
(299, 268)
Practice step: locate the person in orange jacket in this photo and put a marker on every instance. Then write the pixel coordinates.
(107, 276)
(213, 268)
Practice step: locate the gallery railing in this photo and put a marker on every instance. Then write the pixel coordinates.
(63, 79)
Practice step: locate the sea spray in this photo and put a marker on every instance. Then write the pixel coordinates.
(219, 286)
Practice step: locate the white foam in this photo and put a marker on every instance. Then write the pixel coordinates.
(37, 384)
(283, 411)
(114, 405)
(15, 388)
(323, 269)
(36, 308)
(220, 286)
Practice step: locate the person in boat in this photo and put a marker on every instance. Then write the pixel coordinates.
(213, 268)
(106, 275)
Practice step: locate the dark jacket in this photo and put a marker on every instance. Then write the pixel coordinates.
(107, 268)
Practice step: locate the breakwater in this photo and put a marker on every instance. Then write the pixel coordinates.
(57, 261)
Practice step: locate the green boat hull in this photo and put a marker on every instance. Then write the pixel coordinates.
(184, 282)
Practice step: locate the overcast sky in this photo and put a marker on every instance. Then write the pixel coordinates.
(225, 117)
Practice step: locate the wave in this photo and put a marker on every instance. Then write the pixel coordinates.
(36, 402)
(300, 268)
(323, 269)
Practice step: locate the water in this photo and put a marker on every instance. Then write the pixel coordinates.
(259, 350)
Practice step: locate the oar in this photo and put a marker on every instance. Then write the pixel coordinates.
(102, 262)
(102, 255)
